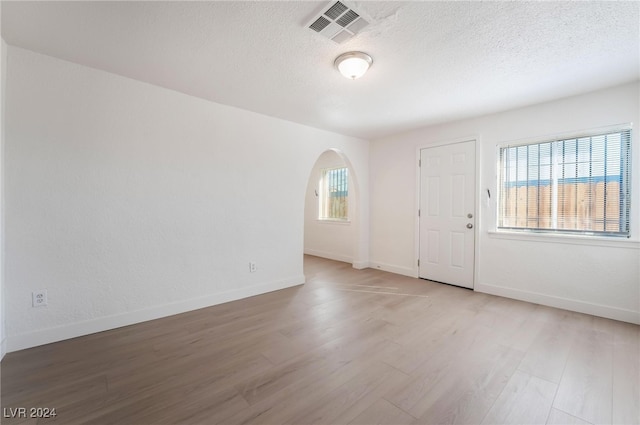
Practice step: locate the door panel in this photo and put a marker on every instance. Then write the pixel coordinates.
(433, 247)
(447, 198)
(457, 249)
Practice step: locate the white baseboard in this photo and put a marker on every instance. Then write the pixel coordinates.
(46, 336)
(329, 255)
(405, 271)
(600, 310)
(361, 265)
(338, 257)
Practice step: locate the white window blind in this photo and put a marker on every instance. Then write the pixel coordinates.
(574, 185)
(334, 200)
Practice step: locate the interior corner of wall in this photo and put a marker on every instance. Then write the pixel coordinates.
(359, 265)
(3, 348)
(404, 271)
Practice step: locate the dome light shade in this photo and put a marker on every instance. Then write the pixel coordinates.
(353, 64)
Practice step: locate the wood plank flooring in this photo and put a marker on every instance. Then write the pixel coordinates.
(348, 347)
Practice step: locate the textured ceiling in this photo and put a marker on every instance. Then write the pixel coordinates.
(433, 61)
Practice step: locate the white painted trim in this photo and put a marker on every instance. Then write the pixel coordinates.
(476, 210)
(584, 240)
(405, 271)
(447, 142)
(329, 255)
(333, 221)
(46, 336)
(600, 310)
(416, 221)
(575, 134)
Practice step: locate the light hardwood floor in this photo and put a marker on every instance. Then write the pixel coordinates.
(348, 347)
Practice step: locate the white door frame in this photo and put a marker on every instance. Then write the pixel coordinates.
(478, 222)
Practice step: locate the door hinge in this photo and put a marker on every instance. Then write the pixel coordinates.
(418, 213)
(418, 262)
(419, 163)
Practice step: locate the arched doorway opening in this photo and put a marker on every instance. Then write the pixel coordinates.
(332, 234)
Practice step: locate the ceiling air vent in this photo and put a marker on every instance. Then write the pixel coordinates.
(338, 22)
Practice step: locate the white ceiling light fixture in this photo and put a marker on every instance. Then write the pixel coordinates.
(353, 64)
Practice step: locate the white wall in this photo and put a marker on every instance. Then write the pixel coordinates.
(128, 202)
(323, 238)
(596, 277)
(3, 74)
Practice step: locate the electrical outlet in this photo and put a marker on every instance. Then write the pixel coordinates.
(252, 267)
(39, 298)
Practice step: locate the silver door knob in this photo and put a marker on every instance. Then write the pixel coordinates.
(469, 226)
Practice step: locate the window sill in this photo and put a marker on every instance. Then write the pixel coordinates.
(566, 239)
(334, 221)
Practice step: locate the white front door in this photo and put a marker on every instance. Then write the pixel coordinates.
(447, 213)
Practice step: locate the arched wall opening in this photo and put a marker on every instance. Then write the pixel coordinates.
(336, 240)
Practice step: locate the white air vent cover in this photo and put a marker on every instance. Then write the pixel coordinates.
(337, 22)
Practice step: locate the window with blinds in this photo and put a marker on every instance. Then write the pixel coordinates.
(574, 185)
(334, 201)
